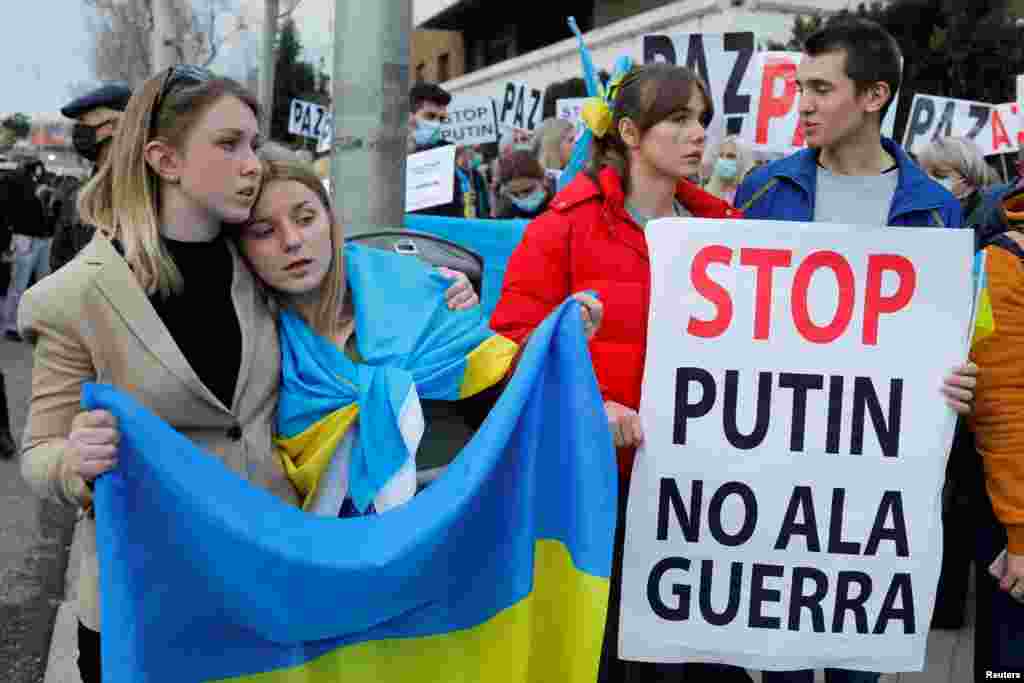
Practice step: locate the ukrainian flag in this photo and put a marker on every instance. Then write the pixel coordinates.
(984, 319)
(408, 345)
(496, 572)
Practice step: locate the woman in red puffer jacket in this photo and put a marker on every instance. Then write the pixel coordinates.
(592, 238)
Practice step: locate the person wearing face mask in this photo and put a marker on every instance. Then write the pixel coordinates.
(522, 192)
(731, 164)
(96, 115)
(428, 111)
(428, 107)
(958, 165)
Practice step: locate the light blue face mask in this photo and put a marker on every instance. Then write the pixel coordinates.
(726, 168)
(530, 203)
(426, 132)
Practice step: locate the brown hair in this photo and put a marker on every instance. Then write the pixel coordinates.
(123, 199)
(333, 290)
(648, 95)
(520, 164)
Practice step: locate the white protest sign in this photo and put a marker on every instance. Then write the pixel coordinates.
(775, 115)
(310, 120)
(994, 129)
(571, 109)
(520, 106)
(429, 178)
(785, 507)
(1009, 115)
(471, 121)
(725, 61)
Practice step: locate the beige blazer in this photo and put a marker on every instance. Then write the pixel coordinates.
(91, 321)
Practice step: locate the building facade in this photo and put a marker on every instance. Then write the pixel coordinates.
(436, 56)
(504, 42)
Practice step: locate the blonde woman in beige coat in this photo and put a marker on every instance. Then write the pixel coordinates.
(160, 305)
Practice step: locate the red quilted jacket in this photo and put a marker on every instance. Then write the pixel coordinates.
(587, 240)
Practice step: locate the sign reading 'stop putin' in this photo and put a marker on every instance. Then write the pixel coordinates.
(785, 506)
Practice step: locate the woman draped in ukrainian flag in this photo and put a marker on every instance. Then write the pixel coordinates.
(365, 334)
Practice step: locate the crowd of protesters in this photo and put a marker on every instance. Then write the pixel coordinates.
(178, 169)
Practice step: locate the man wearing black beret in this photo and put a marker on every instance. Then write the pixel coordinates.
(96, 115)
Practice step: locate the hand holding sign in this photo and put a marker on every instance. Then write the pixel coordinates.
(624, 424)
(783, 514)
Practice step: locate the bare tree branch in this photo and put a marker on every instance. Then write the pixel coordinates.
(122, 33)
(288, 12)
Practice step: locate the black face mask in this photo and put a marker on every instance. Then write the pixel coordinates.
(83, 138)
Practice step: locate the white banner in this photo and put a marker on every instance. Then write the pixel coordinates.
(754, 93)
(785, 508)
(471, 121)
(775, 118)
(430, 178)
(310, 120)
(995, 129)
(725, 61)
(520, 106)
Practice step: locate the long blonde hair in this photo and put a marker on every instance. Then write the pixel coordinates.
(123, 199)
(332, 300)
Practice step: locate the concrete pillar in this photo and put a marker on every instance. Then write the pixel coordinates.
(371, 112)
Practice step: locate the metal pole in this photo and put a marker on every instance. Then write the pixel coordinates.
(268, 61)
(1006, 171)
(371, 112)
(162, 40)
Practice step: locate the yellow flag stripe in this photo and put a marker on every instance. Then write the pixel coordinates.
(984, 322)
(307, 454)
(487, 364)
(554, 634)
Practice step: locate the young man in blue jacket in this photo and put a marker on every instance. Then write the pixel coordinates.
(850, 174)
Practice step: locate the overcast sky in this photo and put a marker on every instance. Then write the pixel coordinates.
(45, 48)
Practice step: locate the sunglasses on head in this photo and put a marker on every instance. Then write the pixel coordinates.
(176, 75)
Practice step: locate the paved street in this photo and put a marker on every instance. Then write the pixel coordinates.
(34, 540)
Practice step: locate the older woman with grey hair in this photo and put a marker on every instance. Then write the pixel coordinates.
(730, 163)
(958, 165)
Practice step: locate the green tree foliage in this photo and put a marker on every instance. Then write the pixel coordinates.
(19, 124)
(293, 79)
(968, 49)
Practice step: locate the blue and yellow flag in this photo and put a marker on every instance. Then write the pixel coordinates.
(410, 346)
(496, 572)
(984, 319)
